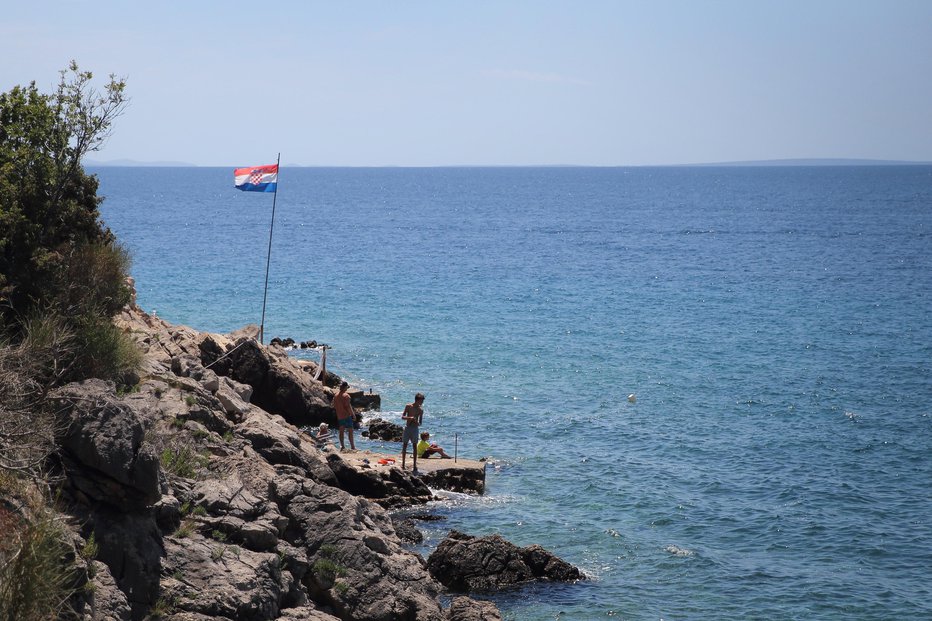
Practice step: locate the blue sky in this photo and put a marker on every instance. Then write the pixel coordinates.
(498, 83)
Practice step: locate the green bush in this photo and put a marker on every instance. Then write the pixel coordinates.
(183, 462)
(48, 205)
(94, 280)
(48, 344)
(185, 529)
(327, 570)
(104, 351)
(61, 270)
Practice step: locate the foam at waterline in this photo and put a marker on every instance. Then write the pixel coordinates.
(678, 551)
(449, 499)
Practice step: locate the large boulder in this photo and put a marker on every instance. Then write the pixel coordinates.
(227, 496)
(215, 579)
(380, 429)
(466, 563)
(159, 340)
(454, 478)
(279, 384)
(278, 443)
(389, 488)
(104, 446)
(106, 600)
(406, 529)
(358, 567)
(130, 545)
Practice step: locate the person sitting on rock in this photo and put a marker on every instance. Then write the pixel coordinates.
(322, 439)
(425, 449)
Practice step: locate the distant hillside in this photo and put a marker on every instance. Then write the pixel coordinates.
(133, 163)
(818, 162)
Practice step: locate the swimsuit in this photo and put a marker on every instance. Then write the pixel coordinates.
(411, 433)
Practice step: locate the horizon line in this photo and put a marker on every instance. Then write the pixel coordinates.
(789, 162)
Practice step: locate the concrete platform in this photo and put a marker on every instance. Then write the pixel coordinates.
(460, 475)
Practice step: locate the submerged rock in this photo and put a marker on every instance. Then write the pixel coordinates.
(380, 429)
(406, 530)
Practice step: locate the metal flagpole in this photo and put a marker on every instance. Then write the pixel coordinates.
(268, 259)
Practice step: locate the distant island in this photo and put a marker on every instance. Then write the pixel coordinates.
(124, 162)
(817, 162)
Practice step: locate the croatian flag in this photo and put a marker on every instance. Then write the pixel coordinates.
(256, 178)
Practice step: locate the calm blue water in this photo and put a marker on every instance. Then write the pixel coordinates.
(775, 325)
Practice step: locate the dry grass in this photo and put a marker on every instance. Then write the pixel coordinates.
(37, 570)
(27, 429)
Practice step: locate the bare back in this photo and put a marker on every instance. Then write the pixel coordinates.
(341, 403)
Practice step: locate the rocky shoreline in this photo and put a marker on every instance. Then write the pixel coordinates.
(205, 501)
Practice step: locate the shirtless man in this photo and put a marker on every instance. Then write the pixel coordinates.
(345, 415)
(413, 415)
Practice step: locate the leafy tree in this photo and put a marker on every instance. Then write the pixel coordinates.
(48, 205)
(62, 278)
(58, 263)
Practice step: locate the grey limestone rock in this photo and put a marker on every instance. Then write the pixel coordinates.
(107, 602)
(279, 444)
(232, 403)
(406, 530)
(106, 439)
(228, 495)
(389, 488)
(130, 545)
(380, 429)
(357, 565)
(218, 579)
(465, 563)
(243, 391)
(279, 385)
(305, 613)
(464, 608)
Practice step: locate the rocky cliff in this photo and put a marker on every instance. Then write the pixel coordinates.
(205, 501)
(191, 494)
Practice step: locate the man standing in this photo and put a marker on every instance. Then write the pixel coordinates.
(345, 415)
(413, 415)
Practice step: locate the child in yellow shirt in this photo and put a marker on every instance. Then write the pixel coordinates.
(425, 449)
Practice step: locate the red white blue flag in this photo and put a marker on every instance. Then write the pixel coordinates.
(256, 178)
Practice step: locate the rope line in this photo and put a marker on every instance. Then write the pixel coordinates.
(229, 352)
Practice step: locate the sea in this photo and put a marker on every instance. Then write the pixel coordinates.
(710, 388)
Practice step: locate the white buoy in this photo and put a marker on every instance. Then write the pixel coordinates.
(632, 398)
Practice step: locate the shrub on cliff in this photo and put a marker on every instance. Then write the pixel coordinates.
(38, 574)
(62, 278)
(56, 257)
(27, 428)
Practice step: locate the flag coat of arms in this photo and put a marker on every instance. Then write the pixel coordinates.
(256, 178)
